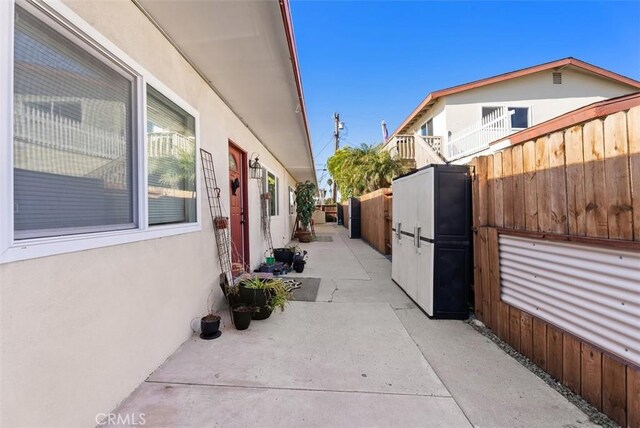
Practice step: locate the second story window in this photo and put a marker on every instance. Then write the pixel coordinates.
(519, 119)
(427, 128)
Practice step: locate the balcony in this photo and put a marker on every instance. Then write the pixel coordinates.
(476, 137)
(415, 151)
(418, 151)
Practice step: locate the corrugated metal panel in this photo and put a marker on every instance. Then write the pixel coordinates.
(591, 292)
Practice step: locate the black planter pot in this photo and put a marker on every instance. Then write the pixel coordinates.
(210, 327)
(284, 255)
(298, 265)
(257, 298)
(262, 313)
(241, 316)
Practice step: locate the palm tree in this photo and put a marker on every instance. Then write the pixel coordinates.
(359, 170)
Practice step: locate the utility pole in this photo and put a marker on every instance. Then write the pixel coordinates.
(336, 136)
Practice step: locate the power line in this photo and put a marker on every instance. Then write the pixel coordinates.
(325, 146)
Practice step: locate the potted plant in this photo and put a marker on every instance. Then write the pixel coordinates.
(299, 262)
(305, 205)
(264, 294)
(285, 255)
(220, 222)
(210, 323)
(210, 326)
(242, 316)
(253, 292)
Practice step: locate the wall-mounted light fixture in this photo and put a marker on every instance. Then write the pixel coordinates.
(255, 167)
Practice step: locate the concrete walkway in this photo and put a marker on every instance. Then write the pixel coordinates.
(361, 355)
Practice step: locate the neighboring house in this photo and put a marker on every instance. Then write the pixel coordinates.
(107, 251)
(457, 123)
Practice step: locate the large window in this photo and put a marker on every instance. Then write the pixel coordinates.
(73, 139)
(171, 148)
(77, 161)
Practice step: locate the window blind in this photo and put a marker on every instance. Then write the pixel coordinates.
(73, 144)
(172, 161)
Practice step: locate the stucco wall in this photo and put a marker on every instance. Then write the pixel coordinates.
(438, 113)
(81, 330)
(537, 91)
(544, 99)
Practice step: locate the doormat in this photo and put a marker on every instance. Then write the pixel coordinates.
(308, 290)
(324, 238)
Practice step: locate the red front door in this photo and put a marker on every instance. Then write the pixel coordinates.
(237, 192)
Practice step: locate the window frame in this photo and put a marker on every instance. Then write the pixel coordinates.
(425, 127)
(292, 201)
(277, 192)
(68, 23)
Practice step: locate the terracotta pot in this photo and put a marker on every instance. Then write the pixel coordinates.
(221, 222)
(304, 236)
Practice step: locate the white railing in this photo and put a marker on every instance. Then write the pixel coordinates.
(401, 146)
(47, 129)
(168, 144)
(477, 137)
(405, 147)
(434, 142)
(422, 150)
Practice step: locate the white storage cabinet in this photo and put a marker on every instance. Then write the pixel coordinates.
(432, 239)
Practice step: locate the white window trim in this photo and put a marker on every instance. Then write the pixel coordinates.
(292, 200)
(12, 250)
(516, 105)
(430, 118)
(266, 178)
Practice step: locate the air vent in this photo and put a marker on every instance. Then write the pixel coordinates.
(557, 78)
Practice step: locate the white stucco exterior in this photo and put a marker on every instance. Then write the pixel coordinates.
(80, 330)
(544, 99)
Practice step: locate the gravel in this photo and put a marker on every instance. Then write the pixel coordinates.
(595, 416)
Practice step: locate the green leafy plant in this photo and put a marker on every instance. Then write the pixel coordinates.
(305, 202)
(294, 248)
(175, 172)
(359, 170)
(279, 293)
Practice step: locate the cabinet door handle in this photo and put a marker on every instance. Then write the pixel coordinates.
(418, 230)
(398, 231)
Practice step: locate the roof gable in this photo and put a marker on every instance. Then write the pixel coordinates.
(553, 65)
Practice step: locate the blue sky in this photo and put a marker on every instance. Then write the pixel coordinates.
(377, 60)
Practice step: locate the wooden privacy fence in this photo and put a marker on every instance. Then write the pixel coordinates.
(375, 218)
(582, 185)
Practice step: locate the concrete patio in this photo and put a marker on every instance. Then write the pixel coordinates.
(361, 355)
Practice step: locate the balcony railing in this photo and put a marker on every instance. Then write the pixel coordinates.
(466, 142)
(420, 150)
(40, 128)
(477, 137)
(46, 129)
